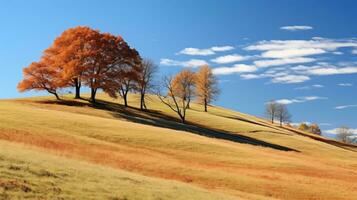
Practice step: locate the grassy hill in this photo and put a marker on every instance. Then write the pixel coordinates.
(73, 150)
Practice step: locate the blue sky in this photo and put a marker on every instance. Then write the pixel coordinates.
(302, 53)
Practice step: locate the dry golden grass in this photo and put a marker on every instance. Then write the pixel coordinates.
(153, 144)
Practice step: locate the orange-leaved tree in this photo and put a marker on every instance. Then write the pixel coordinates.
(85, 56)
(107, 68)
(206, 86)
(40, 76)
(184, 85)
(71, 52)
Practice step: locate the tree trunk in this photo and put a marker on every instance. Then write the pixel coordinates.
(205, 105)
(77, 85)
(93, 93)
(56, 95)
(142, 102)
(188, 103)
(125, 97)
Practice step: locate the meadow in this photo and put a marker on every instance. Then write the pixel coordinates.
(71, 149)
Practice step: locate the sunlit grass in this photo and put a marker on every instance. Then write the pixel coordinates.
(316, 171)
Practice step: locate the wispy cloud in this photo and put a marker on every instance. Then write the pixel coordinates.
(328, 45)
(309, 87)
(337, 52)
(335, 131)
(250, 76)
(222, 48)
(296, 28)
(345, 106)
(345, 84)
(229, 59)
(284, 61)
(196, 52)
(299, 99)
(290, 79)
(320, 71)
(205, 52)
(290, 53)
(189, 63)
(238, 68)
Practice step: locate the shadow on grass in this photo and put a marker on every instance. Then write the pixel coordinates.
(159, 119)
(338, 144)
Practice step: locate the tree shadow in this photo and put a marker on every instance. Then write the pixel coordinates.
(338, 144)
(159, 119)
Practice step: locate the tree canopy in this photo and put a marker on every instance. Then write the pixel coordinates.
(82, 55)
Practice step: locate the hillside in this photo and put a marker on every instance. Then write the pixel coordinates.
(72, 150)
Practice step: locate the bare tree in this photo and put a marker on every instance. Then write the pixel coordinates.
(282, 113)
(353, 140)
(343, 134)
(174, 102)
(271, 110)
(146, 78)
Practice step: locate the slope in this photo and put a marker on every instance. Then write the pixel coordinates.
(220, 151)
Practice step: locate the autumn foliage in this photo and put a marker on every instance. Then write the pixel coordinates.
(83, 56)
(206, 86)
(184, 85)
(187, 85)
(39, 76)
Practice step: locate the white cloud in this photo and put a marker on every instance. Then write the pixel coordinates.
(290, 79)
(318, 86)
(335, 131)
(299, 99)
(309, 87)
(325, 44)
(229, 59)
(345, 106)
(337, 52)
(205, 52)
(320, 71)
(290, 53)
(196, 52)
(250, 76)
(354, 51)
(296, 28)
(238, 68)
(284, 61)
(300, 68)
(345, 84)
(189, 63)
(222, 48)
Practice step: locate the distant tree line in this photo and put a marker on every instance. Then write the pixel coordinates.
(312, 128)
